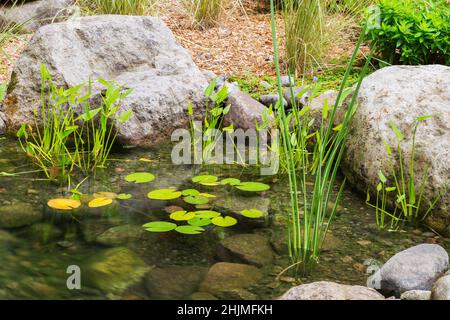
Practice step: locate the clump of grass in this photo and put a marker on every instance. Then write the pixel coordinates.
(206, 13)
(122, 7)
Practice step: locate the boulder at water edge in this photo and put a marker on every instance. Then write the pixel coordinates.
(138, 52)
(324, 290)
(415, 268)
(401, 94)
(34, 14)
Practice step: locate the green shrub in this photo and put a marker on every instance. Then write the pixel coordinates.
(413, 32)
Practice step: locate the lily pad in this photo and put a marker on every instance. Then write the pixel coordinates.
(252, 213)
(64, 204)
(230, 181)
(190, 192)
(99, 202)
(207, 180)
(196, 200)
(164, 194)
(206, 214)
(104, 194)
(182, 215)
(124, 196)
(189, 229)
(159, 226)
(207, 195)
(199, 222)
(224, 221)
(253, 186)
(140, 177)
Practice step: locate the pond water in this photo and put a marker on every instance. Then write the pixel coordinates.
(120, 260)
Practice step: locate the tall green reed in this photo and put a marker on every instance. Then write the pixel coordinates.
(312, 209)
(122, 7)
(206, 13)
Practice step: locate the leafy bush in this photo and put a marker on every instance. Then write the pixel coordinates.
(413, 32)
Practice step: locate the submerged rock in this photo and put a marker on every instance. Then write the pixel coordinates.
(34, 14)
(140, 53)
(324, 290)
(120, 235)
(415, 268)
(401, 94)
(441, 289)
(174, 283)
(416, 295)
(115, 270)
(248, 248)
(19, 215)
(223, 279)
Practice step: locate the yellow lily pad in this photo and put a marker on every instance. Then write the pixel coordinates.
(64, 204)
(99, 202)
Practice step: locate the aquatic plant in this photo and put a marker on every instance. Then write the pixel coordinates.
(61, 139)
(403, 194)
(310, 215)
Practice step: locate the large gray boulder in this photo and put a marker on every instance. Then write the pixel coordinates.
(34, 14)
(138, 52)
(324, 290)
(402, 94)
(415, 268)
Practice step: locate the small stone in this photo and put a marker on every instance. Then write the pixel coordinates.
(287, 81)
(429, 234)
(265, 84)
(65, 244)
(271, 100)
(300, 101)
(359, 267)
(416, 295)
(364, 243)
(441, 289)
(347, 259)
(33, 191)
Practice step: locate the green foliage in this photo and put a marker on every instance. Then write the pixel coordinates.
(350, 7)
(140, 177)
(3, 88)
(403, 194)
(206, 13)
(123, 7)
(61, 139)
(413, 32)
(308, 226)
(164, 194)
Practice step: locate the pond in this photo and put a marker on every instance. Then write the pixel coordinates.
(118, 259)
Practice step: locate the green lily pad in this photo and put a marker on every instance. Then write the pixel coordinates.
(206, 214)
(164, 194)
(140, 177)
(189, 229)
(190, 192)
(206, 180)
(230, 181)
(182, 215)
(196, 200)
(159, 226)
(252, 213)
(253, 186)
(199, 222)
(224, 221)
(124, 196)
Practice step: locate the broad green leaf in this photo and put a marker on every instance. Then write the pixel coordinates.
(252, 213)
(206, 214)
(190, 110)
(230, 181)
(64, 204)
(379, 187)
(253, 186)
(124, 117)
(159, 226)
(164, 194)
(224, 221)
(196, 199)
(423, 118)
(190, 192)
(199, 222)
(382, 177)
(390, 189)
(124, 196)
(189, 229)
(140, 177)
(399, 135)
(205, 179)
(182, 215)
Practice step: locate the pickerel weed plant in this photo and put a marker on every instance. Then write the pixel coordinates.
(403, 192)
(312, 210)
(67, 133)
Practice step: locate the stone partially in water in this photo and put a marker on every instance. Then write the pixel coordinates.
(224, 278)
(115, 270)
(324, 290)
(441, 289)
(19, 215)
(415, 268)
(248, 248)
(174, 283)
(120, 235)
